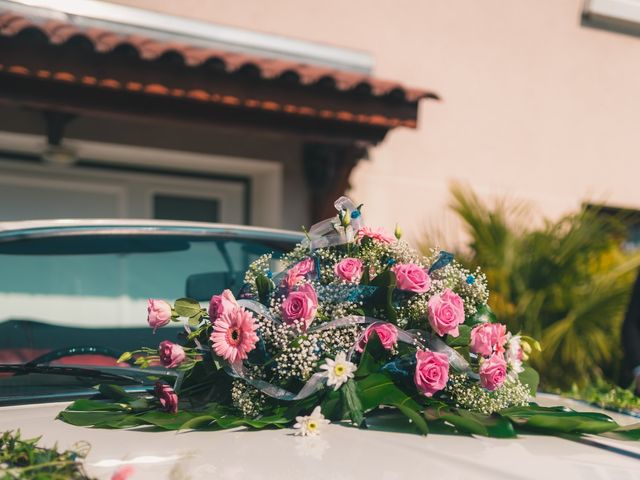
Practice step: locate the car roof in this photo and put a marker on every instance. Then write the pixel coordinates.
(42, 228)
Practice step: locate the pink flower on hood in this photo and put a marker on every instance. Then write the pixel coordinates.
(411, 277)
(446, 312)
(167, 398)
(300, 306)
(379, 235)
(221, 304)
(488, 338)
(158, 313)
(171, 354)
(123, 472)
(493, 372)
(298, 272)
(349, 269)
(234, 335)
(432, 372)
(387, 333)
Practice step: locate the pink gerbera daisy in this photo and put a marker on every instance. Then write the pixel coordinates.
(234, 335)
(378, 234)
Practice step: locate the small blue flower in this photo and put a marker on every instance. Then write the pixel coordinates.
(471, 279)
(391, 261)
(355, 214)
(269, 273)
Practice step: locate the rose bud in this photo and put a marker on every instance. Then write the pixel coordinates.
(158, 313)
(171, 354)
(167, 398)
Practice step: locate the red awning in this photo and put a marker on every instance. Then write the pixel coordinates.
(62, 66)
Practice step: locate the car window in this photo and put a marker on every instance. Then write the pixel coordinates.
(78, 290)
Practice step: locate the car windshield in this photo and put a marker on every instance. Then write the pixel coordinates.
(81, 299)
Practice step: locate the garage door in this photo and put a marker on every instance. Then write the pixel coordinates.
(42, 192)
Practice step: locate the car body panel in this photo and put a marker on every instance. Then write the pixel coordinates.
(339, 452)
(38, 228)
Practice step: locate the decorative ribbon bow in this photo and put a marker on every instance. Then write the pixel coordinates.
(330, 231)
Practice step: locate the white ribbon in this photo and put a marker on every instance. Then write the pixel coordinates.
(313, 385)
(330, 232)
(317, 380)
(258, 308)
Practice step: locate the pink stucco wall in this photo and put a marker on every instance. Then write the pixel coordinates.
(534, 105)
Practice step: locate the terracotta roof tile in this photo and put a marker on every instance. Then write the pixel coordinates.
(103, 41)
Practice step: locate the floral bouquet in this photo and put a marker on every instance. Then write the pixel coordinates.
(350, 326)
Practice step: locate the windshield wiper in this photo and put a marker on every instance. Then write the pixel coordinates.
(97, 374)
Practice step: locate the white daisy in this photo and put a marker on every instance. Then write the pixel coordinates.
(310, 425)
(338, 371)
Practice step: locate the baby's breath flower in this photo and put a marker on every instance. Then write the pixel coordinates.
(470, 395)
(249, 400)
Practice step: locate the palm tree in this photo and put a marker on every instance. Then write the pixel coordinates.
(566, 282)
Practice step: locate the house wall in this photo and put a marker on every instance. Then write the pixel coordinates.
(534, 106)
(191, 139)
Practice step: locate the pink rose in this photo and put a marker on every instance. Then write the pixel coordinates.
(378, 235)
(493, 372)
(158, 313)
(298, 272)
(411, 277)
(446, 312)
(349, 269)
(306, 266)
(300, 306)
(387, 333)
(488, 338)
(221, 304)
(167, 397)
(432, 372)
(171, 354)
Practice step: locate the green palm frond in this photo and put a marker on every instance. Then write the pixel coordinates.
(566, 282)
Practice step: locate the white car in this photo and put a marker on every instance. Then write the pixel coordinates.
(73, 297)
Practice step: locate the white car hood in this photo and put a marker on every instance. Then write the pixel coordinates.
(340, 452)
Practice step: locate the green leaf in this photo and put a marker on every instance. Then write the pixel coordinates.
(187, 307)
(263, 285)
(530, 378)
(557, 420)
(366, 276)
(167, 421)
(199, 422)
(93, 413)
(351, 405)
(393, 420)
(92, 418)
(372, 357)
(383, 298)
(473, 423)
(484, 314)
(114, 392)
(86, 404)
(378, 389)
(628, 432)
(416, 418)
(194, 320)
(331, 406)
(461, 340)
